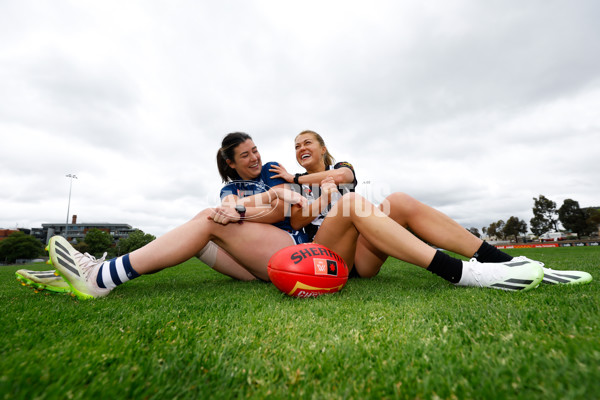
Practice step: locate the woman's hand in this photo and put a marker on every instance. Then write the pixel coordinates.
(282, 173)
(328, 186)
(289, 196)
(294, 198)
(224, 215)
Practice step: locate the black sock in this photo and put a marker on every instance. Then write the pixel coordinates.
(489, 253)
(445, 266)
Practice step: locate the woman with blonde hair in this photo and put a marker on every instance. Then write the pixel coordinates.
(415, 220)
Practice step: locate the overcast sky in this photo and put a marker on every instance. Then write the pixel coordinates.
(473, 107)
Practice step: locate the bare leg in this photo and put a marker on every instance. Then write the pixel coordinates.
(352, 215)
(252, 244)
(426, 222)
(222, 262)
(432, 225)
(368, 260)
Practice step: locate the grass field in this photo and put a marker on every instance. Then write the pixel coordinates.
(188, 332)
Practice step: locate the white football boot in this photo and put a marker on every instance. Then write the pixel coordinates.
(555, 277)
(79, 270)
(511, 275)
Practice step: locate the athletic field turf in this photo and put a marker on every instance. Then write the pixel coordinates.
(190, 333)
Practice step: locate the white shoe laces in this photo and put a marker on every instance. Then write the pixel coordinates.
(492, 273)
(523, 258)
(88, 262)
(475, 273)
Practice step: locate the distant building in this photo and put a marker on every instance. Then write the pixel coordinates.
(77, 231)
(4, 233)
(35, 232)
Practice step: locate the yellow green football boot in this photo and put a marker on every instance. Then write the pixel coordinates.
(43, 280)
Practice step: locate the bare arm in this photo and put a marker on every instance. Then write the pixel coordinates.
(268, 207)
(300, 217)
(340, 175)
(262, 199)
(270, 215)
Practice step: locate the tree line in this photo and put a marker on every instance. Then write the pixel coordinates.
(96, 242)
(574, 219)
(19, 245)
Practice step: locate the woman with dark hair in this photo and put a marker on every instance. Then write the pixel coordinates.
(250, 196)
(214, 256)
(408, 213)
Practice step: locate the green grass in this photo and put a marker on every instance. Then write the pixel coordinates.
(188, 332)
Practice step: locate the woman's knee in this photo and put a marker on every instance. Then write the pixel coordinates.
(367, 271)
(355, 205)
(400, 205)
(202, 221)
(204, 214)
(351, 197)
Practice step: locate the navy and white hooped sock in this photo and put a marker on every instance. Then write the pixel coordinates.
(114, 272)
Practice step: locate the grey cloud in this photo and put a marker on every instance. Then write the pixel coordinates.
(461, 104)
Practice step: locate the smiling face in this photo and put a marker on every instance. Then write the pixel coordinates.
(246, 160)
(309, 153)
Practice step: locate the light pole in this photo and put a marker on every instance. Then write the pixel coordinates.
(71, 177)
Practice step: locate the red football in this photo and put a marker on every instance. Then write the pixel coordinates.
(307, 270)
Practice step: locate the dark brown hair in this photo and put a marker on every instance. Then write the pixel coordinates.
(227, 152)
